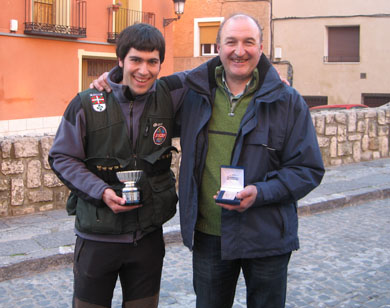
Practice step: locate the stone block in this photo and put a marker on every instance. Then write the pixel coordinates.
(383, 131)
(361, 126)
(356, 152)
(61, 196)
(372, 128)
(4, 184)
(344, 149)
(383, 146)
(46, 143)
(366, 156)
(4, 205)
(6, 147)
(51, 180)
(330, 130)
(323, 142)
(333, 147)
(12, 167)
(365, 143)
(40, 195)
(352, 122)
(34, 172)
(341, 133)
(336, 162)
(382, 117)
(26, 147)
(329, 118)
(320, 124)
(341, 117)
(348, 160)
(373, 144)
(354, 137)
(22, 211)
(370, 112)
(17, 191)
(46, 207)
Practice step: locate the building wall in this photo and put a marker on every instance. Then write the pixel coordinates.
(40, 75)
(183, 29)
(303, 41)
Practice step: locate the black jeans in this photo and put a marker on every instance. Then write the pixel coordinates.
(215, 280)
(97, 266)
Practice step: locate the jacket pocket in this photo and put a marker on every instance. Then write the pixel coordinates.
(258, 144)
(93, 219)
(162, 200)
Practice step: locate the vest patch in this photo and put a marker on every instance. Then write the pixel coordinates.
(159, 135)
(98, 103)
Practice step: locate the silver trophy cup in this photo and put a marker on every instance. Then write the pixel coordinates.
(131, 193)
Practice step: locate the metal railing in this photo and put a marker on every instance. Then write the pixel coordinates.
(60, 18)
(120, 18)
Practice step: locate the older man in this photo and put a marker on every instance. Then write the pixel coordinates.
(238, 112)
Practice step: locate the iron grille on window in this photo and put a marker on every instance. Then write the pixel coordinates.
(61, 18)
(314, 100)
(120, 18)
(375, 99)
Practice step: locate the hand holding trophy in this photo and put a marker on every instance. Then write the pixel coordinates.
(131, 193)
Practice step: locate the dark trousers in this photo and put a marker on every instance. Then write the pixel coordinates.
(97, 266)
(215, 280)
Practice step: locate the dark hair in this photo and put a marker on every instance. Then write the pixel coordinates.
(239, 15)
(142, 37)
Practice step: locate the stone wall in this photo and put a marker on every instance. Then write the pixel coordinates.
(350, 136)
(27, 184)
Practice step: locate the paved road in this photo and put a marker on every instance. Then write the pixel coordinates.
(344, 262)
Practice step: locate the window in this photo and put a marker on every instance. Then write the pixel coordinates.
(313, 100)
(205, 36)
(375, 99)
(209, 49)
(343, 44)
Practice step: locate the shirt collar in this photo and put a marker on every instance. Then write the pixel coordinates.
(220, 77)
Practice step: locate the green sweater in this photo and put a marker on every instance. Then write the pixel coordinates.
(222, 133)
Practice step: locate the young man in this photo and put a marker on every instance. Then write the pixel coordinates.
(104, 133)
(238, 112)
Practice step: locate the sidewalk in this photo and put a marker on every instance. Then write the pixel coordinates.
(38, 242)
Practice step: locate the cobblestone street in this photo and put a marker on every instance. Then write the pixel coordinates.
(344, 261)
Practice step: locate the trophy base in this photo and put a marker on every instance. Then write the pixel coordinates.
(131, 195)
(128, 203)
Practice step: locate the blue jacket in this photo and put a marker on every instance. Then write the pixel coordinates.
(276, 144)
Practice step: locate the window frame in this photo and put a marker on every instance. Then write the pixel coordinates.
(197, 21)
(327, 43)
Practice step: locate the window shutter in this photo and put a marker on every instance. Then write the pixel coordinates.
(343, 44)
(208, 32)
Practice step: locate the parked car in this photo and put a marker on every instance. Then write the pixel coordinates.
(337, 107)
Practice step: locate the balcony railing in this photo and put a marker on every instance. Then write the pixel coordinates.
(120, 18)
(60, 18)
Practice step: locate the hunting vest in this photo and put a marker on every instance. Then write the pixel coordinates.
(109, 149)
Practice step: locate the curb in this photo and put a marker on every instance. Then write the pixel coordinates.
(321, 204)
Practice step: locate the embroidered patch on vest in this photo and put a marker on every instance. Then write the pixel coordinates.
(159, 135)
(98, 102)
